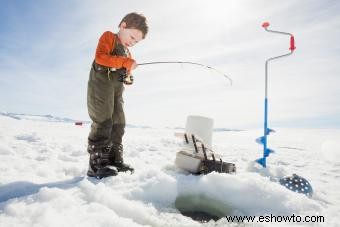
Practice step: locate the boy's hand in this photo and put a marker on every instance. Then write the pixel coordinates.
(129, 64)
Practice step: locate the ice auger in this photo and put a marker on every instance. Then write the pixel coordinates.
(263, 139)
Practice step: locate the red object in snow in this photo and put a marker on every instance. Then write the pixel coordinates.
(78, 123)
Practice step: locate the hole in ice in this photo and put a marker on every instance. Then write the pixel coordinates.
(202, 208)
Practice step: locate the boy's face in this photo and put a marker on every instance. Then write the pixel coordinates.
(129, 36)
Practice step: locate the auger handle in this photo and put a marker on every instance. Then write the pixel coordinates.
(292, 47)
(265, 25)
(292, 43)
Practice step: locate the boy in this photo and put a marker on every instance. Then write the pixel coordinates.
(110, 71)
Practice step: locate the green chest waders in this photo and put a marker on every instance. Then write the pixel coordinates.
(105, 108)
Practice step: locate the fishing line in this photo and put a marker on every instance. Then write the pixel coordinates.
(188, 62)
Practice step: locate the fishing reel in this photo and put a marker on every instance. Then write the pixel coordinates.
(124, 76)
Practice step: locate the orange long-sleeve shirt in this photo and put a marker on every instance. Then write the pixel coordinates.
(103, 56)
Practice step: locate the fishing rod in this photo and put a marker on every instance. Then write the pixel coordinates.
(188, 62)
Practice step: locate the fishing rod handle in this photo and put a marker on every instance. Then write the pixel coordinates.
(292, 47)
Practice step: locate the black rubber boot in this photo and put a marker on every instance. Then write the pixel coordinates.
(100, 173)
(116, 159)
(99, 164)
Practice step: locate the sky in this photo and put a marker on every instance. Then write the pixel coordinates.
(47, 47)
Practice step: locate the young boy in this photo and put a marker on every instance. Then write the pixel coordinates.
(110, 71)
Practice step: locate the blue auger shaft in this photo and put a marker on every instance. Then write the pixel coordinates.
(265, 131)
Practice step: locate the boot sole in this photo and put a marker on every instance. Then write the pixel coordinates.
(99, 175)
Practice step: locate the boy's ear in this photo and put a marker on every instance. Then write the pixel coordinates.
(122, 25)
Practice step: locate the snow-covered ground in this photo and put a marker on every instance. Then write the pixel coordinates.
(43, 181)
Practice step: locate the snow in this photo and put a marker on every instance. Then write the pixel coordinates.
(43, 177)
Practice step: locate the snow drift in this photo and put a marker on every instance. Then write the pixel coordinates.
(43, 181)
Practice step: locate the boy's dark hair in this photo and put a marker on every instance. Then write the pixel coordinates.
(136, 21)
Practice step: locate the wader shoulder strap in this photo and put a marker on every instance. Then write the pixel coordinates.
(119, 49)
(114, 45)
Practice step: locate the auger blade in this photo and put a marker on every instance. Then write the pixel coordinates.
(261, 161)
(268, 152)
(260, 140)
(268, 131)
